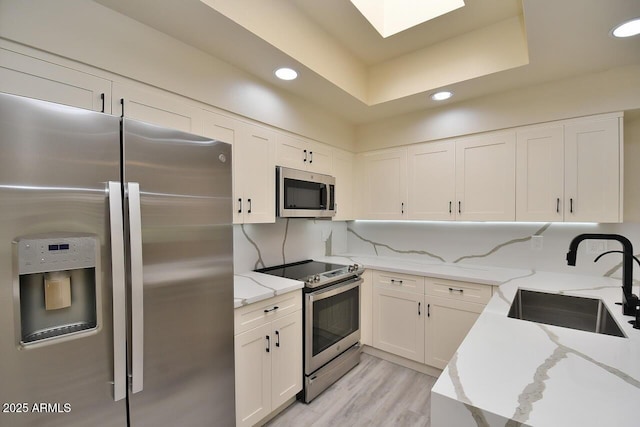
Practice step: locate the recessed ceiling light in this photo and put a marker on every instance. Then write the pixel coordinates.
(627, 29)
(441, 96)
(286, 74)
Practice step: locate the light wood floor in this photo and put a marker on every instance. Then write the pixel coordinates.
(374, 393)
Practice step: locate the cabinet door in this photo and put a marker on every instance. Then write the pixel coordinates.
(286, 358)
(291, 152)
(253, 375)
(432, 181)
(320, 156)
(343, 171)
(448, 322)
(26, 76)
(398, 323)
(157, 107)
(593, 162)
(485, 177)
(385, 184)
(540, 174)
(226, 129)
(257, 169)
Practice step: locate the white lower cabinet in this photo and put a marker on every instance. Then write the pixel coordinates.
(398, 314)
(268, 357)
(424, 319)
(447, 324)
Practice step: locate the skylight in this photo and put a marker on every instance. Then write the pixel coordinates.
(390, 17)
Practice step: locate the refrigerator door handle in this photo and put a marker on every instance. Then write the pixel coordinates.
(137, 306)
(118, 289)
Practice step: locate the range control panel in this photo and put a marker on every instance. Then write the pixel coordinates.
(55, 254)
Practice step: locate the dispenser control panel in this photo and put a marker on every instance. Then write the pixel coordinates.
(55, 254)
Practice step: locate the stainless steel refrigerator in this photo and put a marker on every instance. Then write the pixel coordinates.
(116, 271)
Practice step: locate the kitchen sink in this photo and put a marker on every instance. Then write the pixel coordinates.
(568, 311)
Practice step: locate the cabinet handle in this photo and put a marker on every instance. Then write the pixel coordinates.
(305, 156)
(428, 310)
(277, 338)
(459, 207)
(268, 349)
(571, 205)
(122, 107)
(456, 290)
(418, 309)
(558, 205)
(102, 98)
(271, 309)
(393, 282)
(310, 157)
(249, 201)
(402, 208)
(239, 205)
(450, 203)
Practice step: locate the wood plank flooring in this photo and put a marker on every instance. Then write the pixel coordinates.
(374, 393)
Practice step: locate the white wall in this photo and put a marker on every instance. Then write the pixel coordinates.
(92, 34)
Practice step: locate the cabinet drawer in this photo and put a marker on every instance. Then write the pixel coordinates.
(257, 314)
(462, 291)
(398, 281)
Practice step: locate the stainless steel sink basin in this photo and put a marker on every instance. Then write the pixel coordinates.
(584, 314)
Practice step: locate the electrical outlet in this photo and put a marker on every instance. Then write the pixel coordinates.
(536, 243)
(596, 247)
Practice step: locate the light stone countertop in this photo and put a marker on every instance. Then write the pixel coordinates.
(250, 287)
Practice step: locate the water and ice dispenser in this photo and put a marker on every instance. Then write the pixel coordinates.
(58, 286)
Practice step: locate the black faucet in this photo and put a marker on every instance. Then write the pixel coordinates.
(630, 302)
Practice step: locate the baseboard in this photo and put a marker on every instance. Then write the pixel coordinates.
(398, 360)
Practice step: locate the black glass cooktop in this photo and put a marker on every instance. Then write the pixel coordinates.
(300, 270)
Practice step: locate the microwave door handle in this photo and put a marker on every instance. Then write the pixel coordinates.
(118, 289)
(137, 297)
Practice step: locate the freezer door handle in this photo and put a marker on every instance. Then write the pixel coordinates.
(118, 289)
(137, 306)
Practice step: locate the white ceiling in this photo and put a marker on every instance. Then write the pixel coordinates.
(563, 38)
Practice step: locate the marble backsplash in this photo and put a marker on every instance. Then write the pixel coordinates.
(493, 244)
(288, 240)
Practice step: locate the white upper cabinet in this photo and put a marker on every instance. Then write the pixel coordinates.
(432, 181)
(571, 171)
(298, 153)
(343, 172)
(27, 76)
(593, 170)
(485, 177)
(540, 174)
(383, 183)
(253, 166)
(156, 107)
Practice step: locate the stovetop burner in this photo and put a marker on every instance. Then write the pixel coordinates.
(313, 273)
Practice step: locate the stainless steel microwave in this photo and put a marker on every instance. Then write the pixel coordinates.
(302, 194)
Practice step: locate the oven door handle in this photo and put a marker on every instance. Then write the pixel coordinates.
(334, 290)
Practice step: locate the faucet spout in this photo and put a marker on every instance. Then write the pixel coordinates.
(629, 300)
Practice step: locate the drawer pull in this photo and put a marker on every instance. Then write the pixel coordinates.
(456, 290)
(271, 309)
(393, 282)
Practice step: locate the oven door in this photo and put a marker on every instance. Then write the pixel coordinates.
(332, 322)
